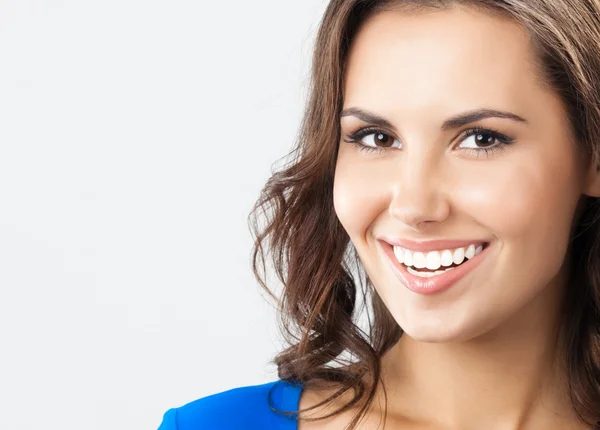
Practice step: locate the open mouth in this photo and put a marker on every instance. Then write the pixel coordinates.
(434, 271)
(437, 262)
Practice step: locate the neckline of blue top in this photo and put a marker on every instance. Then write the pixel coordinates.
(248, 407)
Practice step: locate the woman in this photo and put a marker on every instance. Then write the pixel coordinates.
(450, 150)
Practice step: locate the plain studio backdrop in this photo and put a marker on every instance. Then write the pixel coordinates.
(135, 137)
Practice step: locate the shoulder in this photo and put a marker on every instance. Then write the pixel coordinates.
(247, 407)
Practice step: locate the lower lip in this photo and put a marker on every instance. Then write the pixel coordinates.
(434, 284)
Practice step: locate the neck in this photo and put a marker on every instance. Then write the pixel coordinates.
(509, 378)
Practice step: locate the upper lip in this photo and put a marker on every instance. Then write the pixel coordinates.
(430, 245)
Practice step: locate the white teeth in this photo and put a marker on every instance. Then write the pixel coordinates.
(433, 260)
(428, 274)
(399, 253)
(458, 256)
(446, 258)
(408, 257)
(470, 252)
(419, 260)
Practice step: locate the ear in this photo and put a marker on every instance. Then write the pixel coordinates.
(592, 181)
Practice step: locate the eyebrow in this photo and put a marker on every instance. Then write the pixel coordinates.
(451, 123)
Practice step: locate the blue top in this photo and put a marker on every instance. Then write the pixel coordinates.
(239, 408)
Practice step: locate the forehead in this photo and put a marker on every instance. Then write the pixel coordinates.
(441, 61)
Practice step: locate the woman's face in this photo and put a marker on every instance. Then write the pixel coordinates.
(429, 183)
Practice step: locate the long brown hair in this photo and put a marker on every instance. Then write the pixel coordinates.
(317, 264)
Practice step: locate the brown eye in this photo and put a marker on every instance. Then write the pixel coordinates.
(484, 139)
(481, 139)
(382, 139)
(377, 139)
(373, 140)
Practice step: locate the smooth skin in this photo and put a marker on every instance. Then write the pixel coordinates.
(481, 354)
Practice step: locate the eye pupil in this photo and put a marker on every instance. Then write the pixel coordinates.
(382, 138)
(479, 137)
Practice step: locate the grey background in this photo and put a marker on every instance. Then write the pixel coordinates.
(134, 138)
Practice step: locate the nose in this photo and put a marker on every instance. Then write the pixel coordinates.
(418, 196)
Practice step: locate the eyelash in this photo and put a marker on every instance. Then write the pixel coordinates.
(502, 139)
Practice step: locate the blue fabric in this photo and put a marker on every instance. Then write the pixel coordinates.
(239, 408)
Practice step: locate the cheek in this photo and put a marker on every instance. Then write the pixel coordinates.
(530, 201)
(506, 201)
(527, 204)
(358, 199)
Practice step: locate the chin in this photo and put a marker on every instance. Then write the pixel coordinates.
(431, 334)
(445, 330)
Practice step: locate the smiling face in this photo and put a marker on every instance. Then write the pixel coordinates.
(435, 182)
